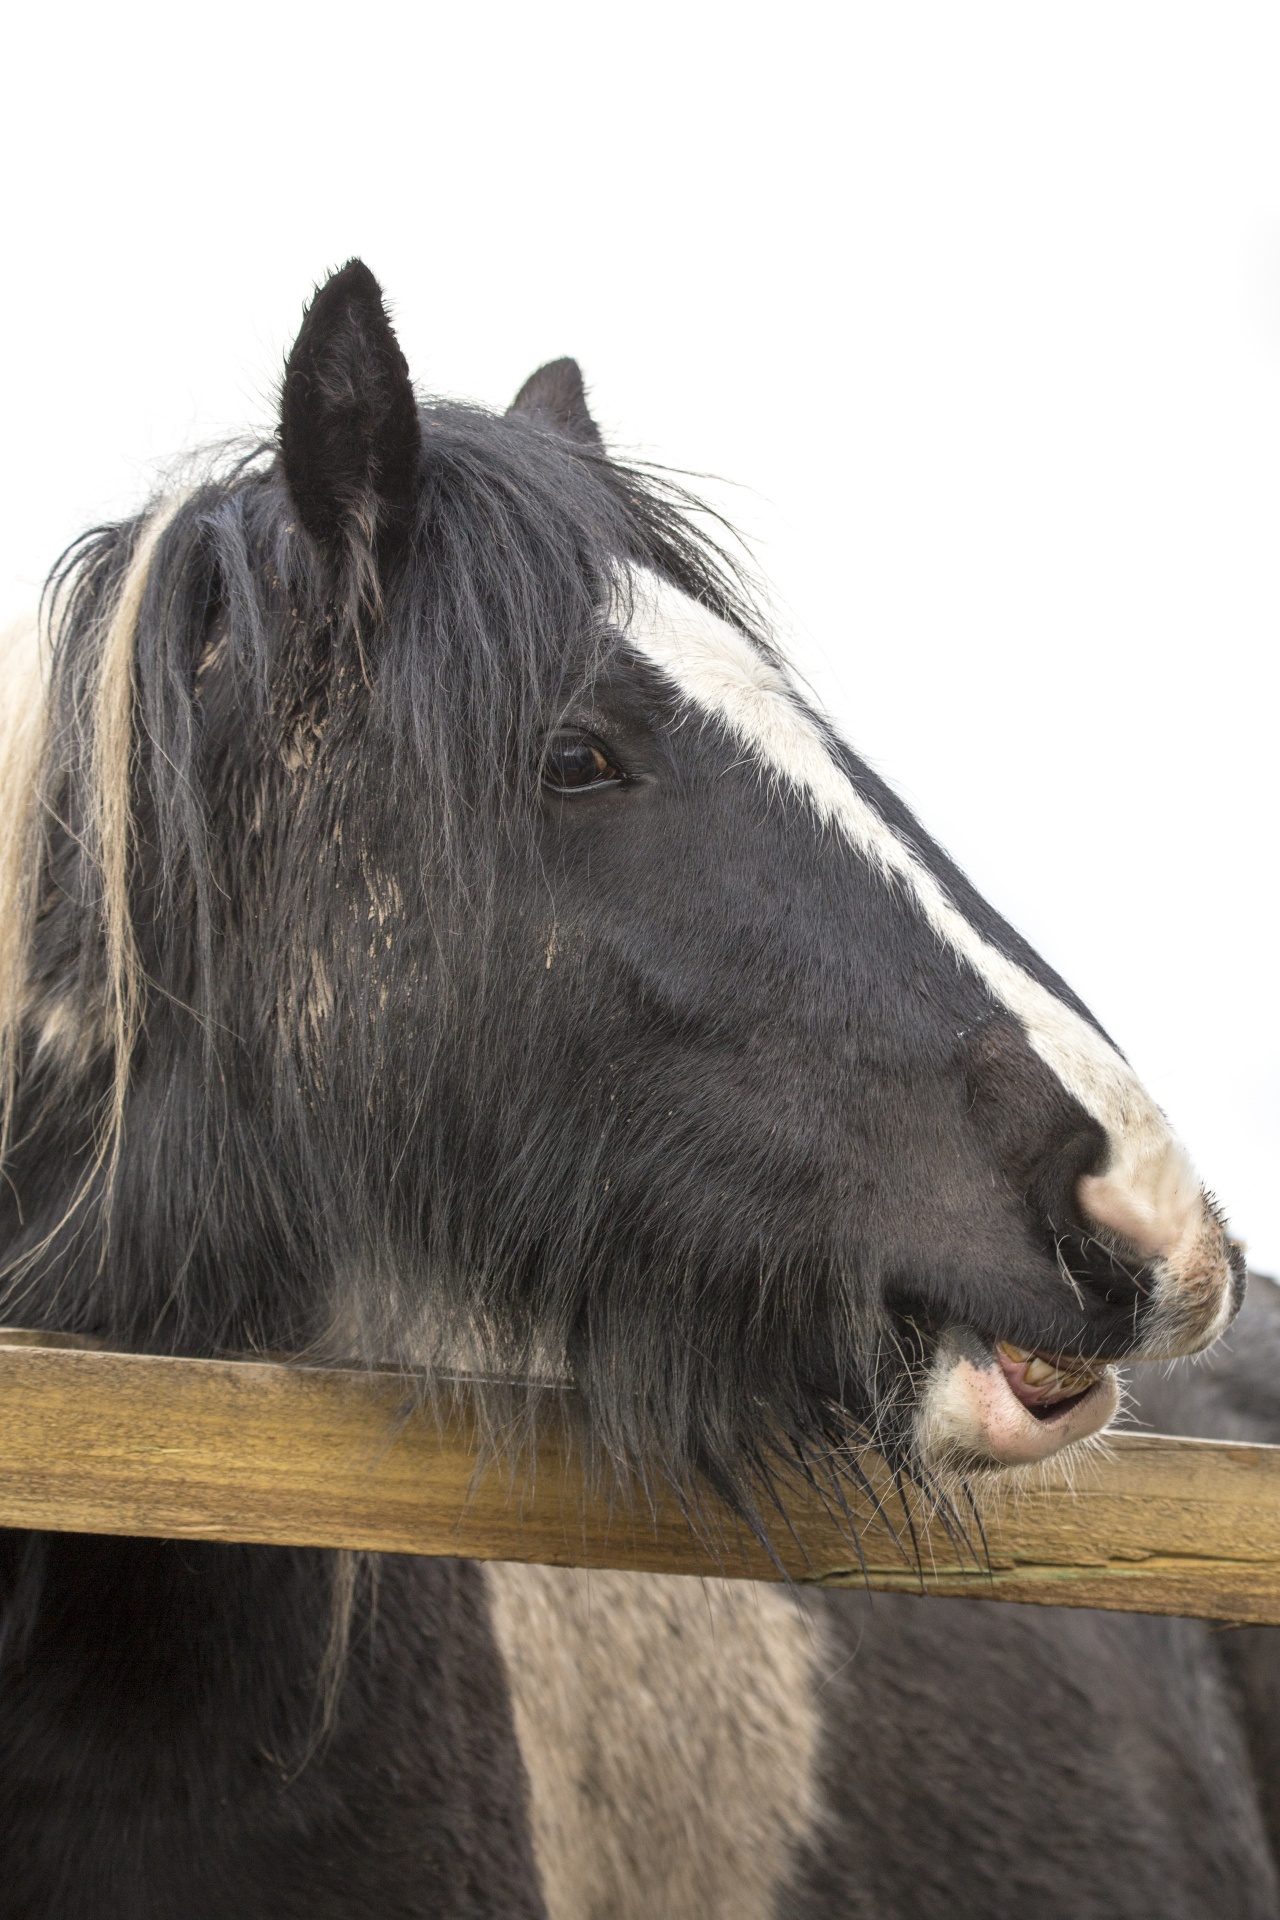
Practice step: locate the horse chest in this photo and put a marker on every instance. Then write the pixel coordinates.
(163, 1754)
(669, 1731)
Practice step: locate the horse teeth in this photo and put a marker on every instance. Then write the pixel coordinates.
(1061, 1380)
(1040, 1373)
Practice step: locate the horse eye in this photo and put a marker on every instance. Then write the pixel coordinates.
(572, 764)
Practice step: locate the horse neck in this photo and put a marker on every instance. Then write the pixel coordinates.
(170, 1699)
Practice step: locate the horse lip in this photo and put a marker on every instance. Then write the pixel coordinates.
(973, 1413)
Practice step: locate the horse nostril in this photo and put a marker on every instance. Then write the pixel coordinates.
(1039, 1138)
(1121, 1210)
(1101, 1277)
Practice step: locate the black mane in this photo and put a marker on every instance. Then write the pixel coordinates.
(265, 681)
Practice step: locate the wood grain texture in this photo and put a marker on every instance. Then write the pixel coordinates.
(258, 1451)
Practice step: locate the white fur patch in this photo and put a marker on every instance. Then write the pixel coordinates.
(63, 1031)
(23, 663)
(1149, 1195)
(669, 1730)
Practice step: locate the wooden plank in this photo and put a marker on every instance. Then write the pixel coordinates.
(257, 1451)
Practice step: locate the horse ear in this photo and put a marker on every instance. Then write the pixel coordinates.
(349, 422)
(554, 397)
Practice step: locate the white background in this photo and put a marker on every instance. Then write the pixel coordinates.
(978, 305)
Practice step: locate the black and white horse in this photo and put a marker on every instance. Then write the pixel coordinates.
(437, 930)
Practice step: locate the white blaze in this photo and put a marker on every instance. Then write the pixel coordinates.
(1149, 1193)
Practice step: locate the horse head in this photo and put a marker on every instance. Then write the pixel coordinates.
(451, 934)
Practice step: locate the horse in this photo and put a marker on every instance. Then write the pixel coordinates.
(439, 932)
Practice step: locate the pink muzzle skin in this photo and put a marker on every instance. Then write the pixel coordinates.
(1009, 1408)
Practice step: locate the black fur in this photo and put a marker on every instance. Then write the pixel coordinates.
(349, 420)
(555, 397)
(985, 1762)
(161, 1751)
(651, 1085)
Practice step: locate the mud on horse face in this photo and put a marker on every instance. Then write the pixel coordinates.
(565, 991)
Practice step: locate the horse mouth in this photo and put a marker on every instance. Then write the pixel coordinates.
(994, 1404)
(1048, 1385)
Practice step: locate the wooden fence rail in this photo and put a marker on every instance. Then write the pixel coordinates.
(255, 1451)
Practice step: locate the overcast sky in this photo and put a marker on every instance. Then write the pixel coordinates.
(975, 309)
